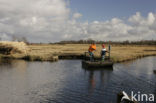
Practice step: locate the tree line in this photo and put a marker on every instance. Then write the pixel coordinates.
(126, 42)
(89, 41)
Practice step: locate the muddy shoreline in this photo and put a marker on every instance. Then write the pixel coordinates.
(66, 57)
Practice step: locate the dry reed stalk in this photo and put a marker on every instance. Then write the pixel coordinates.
(8, 47)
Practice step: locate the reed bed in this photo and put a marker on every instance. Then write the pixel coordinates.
(52, 52)
(8, 48)
(119, 53)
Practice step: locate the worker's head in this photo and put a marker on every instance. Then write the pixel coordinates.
(103, 45)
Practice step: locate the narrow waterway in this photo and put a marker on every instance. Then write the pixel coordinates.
(66, 81)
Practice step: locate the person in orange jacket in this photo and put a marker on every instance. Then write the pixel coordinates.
(92, 48)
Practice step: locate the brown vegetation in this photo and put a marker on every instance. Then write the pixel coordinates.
(12, 47)
(51, 52)
(119, 53)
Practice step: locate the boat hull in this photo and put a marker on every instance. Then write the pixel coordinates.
(97, 64)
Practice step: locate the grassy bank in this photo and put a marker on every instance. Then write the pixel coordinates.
(52, 52)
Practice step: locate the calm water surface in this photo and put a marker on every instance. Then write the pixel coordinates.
(66, 82)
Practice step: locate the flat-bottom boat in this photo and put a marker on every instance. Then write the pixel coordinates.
(97, 64)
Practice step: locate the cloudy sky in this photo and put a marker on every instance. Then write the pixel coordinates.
(56, 20)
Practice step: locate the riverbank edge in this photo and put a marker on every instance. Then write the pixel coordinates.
(67, 56)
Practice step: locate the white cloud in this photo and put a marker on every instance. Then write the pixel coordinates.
(77, 15)
(50, 21)
(150, 18)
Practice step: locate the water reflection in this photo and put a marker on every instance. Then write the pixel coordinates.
(100, 76)
(91, 82)
(66, 82)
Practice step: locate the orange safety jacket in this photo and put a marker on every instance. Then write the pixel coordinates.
(92, 48)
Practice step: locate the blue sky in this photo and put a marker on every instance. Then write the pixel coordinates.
(106, 9)
(57, 20)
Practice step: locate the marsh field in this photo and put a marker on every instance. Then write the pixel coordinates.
(118, 52)
(51, 52)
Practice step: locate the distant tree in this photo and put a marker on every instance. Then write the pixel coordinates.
(90, 40)
(126, 42)
(14, 38)
(24, 39)
(19, 39)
